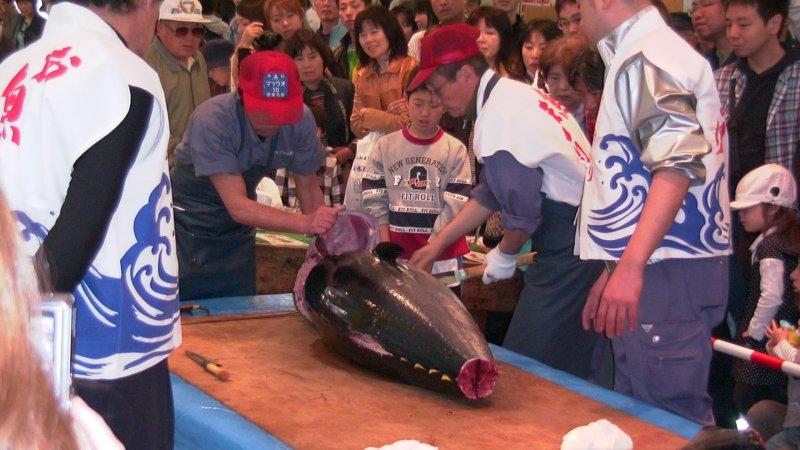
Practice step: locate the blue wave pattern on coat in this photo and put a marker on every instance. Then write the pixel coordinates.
(131, 317)
(692, 232)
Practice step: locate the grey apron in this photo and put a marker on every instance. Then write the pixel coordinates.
(216, 255)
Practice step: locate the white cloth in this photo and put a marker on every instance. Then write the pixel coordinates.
(598, 435)
(127, 303)
(537, 132)
(267, 193)
(771, 288)
(415, 44)
(618, 181)
(352, 194)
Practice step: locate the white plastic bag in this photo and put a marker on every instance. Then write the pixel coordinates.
(352, 195)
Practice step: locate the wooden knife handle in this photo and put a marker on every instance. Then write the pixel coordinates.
(218, 371)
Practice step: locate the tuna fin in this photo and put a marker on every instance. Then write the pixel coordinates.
(388, 251)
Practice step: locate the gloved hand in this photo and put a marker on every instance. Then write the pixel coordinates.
(499, 266)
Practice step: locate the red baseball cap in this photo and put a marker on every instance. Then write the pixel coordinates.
(446, 44)
(269, 83)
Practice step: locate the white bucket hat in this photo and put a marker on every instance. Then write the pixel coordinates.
(182, 11)
(771, 183)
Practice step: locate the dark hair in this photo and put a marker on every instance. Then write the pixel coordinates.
(386, 21)
(589, 68)
(424, 7)
(210, 7)
(306, 38)
(767, 9)
(546, 28)
(497, 19)
(477, 62)
(563, 52)
(408, 13)
(680, 21)
(786, 223)
(561, 3)
(252, 10)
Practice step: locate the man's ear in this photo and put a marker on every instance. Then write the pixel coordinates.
(775, 24)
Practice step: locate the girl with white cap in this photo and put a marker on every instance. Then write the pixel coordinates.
(766, 199)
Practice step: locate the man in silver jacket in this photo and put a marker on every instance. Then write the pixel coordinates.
(655, 208)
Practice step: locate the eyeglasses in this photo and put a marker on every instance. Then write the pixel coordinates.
(563, 24)
(183, 31)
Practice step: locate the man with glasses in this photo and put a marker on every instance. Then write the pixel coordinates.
(708, 19)
(534, 161)
(175, 55)
(569, 16)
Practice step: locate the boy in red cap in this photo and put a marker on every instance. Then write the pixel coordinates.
(534, 160)
(232, 142)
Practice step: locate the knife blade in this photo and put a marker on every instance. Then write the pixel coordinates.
(209, 365)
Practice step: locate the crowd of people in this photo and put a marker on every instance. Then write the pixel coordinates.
(650, 158)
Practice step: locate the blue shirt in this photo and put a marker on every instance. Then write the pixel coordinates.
(217, 141)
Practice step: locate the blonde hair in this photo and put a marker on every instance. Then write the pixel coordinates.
(30, 416)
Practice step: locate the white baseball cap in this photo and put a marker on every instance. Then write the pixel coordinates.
(182, 11)
(771, 183)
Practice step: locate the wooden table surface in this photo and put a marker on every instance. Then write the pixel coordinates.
(286, 381)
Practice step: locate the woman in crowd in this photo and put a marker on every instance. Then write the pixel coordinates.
(557, 64)
(405, 15)
(496, 41)
(424, 16)
(535, 37)
(384, 68)
(285, 18)
(250, 22)
(331, 101)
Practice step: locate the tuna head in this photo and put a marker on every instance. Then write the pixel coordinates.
(399, 320)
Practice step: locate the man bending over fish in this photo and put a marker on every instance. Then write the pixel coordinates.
(534, 157)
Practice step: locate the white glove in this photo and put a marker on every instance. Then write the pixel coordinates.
(499, 266)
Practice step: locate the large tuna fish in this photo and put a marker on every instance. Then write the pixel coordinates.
(388, 316)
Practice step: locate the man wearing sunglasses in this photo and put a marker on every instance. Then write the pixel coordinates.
(175, 55)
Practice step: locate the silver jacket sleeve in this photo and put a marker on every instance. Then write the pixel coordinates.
(661, 117)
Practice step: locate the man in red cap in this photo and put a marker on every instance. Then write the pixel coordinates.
(231, 143)
(534, 161)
